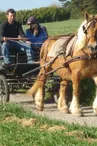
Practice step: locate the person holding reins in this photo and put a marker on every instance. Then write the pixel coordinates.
(10, 33)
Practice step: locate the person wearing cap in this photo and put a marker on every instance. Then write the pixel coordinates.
(13, 29)
(36, 33)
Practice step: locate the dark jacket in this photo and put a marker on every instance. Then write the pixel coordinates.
(11, 30)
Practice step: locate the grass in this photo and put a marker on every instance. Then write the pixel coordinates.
(61, 27)
(19, 127)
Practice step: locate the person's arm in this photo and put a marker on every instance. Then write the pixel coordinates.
(21, 32)
(28, 36)
(46, 31)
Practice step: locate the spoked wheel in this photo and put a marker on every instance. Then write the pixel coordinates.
(4, 90)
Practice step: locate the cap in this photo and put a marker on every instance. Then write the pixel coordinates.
(32, 20)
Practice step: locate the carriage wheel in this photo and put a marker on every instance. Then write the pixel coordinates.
(4, 90)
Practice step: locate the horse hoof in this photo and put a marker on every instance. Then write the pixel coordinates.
(77, 113)
(95, 112)
(65, 110)
(39, 108)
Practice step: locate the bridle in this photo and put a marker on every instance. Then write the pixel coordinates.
(87, 25)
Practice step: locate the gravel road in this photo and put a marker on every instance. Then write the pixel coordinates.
(51, 111)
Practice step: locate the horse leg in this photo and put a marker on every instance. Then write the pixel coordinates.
(37, 90)
(75, 106)
(62, 105)
(39, 96)
(95, 100)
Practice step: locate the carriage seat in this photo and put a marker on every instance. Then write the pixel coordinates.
(19, 57)
(16, 57)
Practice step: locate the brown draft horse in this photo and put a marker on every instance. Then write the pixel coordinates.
(75, 67)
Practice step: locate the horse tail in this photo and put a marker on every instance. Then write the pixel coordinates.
(40, 80)
(34, 88)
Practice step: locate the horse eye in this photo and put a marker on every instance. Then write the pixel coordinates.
(83, 28)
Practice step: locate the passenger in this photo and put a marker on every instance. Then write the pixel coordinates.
(13, 29)
(36, 33)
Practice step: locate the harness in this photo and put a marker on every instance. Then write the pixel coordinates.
(76, 58)
(73, 59)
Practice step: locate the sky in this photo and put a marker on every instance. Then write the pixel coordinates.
(25, 4)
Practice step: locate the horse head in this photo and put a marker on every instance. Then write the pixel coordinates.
(87, 34)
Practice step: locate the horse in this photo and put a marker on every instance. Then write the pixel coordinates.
(73, 65)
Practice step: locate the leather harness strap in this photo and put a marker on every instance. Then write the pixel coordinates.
(76, 58)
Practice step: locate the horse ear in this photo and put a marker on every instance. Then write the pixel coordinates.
(86, 16)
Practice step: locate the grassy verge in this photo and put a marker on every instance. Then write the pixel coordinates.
(61, 27)
(23, 128)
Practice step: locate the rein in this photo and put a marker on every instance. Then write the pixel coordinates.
(86, 26)
(76, 58)
(34, 70)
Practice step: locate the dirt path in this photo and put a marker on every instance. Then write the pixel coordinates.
(51, 111)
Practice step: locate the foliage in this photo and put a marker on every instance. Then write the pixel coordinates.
(78, 7)
(87, 91)
(69, 9)
(43, 14)
(2, 16)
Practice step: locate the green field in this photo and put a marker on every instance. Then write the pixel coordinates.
(62, 27)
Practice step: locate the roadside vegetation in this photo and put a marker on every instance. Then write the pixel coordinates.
(19, 127)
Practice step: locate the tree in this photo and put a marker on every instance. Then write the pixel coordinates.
(63, 2)
(78, 7)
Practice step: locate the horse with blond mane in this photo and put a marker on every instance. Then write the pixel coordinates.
(75, 60)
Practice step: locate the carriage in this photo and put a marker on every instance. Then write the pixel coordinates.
(18, 77)
(81, 63)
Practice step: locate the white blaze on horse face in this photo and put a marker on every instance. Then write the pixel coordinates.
(81, 38)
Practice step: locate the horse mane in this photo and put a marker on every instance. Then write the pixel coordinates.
(81, 38)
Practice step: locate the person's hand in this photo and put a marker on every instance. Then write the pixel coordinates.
(19, 37)
(4, 39)
(28, 42)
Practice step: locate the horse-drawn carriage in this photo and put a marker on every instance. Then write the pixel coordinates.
(81, 63)
(18, 77)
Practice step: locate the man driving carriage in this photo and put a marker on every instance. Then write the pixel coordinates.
(12, 29)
